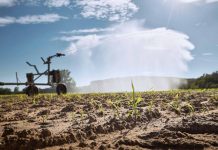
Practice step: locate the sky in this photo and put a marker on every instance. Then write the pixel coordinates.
(109, 38)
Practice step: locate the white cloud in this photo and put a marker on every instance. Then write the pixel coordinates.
(6, 20)
(211, 1)
(30, 2)
(49, 3)
(132, 49)
(35, 19)
(7, 3)
(112, 10)
(57, 3)
(189, 1)
(207, 54)
(31, 19)
(84, 43)
(192, 1)
(87, 31)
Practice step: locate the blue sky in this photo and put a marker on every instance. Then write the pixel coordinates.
(110, 38)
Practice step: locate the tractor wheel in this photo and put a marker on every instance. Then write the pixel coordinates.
(61, 89)
(32, 90)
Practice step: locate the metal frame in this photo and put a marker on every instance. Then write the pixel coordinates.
(38, 74)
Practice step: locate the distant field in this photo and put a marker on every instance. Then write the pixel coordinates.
(185, 119)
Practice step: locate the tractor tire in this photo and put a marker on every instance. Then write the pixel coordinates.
(61, 89)
(32, 90)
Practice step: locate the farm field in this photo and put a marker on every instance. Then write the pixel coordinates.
(180, 119)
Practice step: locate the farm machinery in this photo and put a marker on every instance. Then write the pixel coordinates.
(53, 78)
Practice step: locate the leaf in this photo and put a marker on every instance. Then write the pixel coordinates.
(133, 91)
(139, 99)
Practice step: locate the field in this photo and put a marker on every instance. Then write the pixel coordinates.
(180, 119)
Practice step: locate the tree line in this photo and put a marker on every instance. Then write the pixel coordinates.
(205, 81)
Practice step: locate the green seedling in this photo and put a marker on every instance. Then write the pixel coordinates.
(115, 106)
(34, 100)
(93, 103)
(190, 107)
(82, 115)
(44, 118)
(175, 105)
(101, 109)
(150, 106)
(133, 103)
(205, 109)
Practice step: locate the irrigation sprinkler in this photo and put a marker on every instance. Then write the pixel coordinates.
(53, 78)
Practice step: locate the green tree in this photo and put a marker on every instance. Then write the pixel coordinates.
(5, 91)
(68, 80)
(205, 81)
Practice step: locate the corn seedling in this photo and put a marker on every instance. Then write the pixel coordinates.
(205, 109)
(34, 100)
(175, 105)
(190, 107)
(101, 109)
(150, 106)
(115, 106)
(93, 103)
(44, 118)
(134, 104)
(82, 115)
